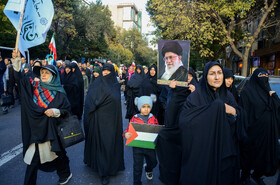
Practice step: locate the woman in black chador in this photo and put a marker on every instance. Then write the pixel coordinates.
(43, 103)
(133, 88)
(73, 84)
(211, 124)
(149, 86)
(103, 125)
(259, 150)
(229, 78)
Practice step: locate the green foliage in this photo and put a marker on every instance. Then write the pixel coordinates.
(136, 46)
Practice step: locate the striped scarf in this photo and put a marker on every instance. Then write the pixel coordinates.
(41, 96)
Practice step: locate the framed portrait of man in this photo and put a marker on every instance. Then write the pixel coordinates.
(173, 61)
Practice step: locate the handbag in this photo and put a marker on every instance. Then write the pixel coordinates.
(70, 131)
(6, 99)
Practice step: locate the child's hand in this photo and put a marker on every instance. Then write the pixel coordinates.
(127, 135)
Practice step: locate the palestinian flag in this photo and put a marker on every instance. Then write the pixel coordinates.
(143, 135)
(52, 47)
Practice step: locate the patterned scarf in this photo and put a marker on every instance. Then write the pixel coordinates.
(41, 96)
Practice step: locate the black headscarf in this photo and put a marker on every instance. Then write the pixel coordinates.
(208, 94)
(74, 87)
(149, 84)
(227, 74)
(137, 78)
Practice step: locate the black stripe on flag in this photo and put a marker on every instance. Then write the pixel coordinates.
(140, 127)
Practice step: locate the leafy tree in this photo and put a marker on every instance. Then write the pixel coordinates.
(211, 25)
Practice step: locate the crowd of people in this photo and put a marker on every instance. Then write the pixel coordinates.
(211, 134)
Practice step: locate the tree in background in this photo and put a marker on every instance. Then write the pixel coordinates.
(211, 25)
(131, 41)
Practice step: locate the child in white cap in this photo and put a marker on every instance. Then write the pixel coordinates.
(144, 105)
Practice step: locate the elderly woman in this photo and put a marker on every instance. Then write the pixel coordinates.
(259, 150)
(43, 102)
(210, 125)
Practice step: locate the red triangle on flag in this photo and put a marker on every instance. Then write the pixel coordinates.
(133, 132)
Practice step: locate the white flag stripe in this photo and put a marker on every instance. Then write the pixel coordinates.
(146, 136)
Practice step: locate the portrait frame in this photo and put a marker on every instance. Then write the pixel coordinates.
(178, 69)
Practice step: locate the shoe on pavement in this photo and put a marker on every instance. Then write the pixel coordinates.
(149, 175)
(257, 181)
(105, 180)
(65, 180)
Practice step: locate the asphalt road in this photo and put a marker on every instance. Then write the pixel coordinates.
(12, 170)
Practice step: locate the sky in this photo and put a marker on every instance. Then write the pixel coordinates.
(141, 6)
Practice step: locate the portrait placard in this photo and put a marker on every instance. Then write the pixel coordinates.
(173, 61)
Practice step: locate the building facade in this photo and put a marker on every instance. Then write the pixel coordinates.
(126, 16)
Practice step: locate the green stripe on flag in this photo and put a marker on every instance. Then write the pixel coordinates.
(142, 144)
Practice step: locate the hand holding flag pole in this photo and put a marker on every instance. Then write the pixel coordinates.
(19, 26)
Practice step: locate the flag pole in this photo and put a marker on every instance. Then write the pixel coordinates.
(19, 26)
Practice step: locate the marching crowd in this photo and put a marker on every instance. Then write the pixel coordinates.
(210, 132)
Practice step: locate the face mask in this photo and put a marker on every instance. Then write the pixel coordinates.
(264, 83)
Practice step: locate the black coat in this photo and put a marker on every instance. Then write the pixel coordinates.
(103, 125)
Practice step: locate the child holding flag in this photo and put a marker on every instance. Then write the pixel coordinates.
(144, 105)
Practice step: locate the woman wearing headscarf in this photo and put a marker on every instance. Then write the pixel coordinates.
(103, 125)
(229, 78)
(259, 150)
(73, 84)
(149, 86)
(133, 87)
(211, 124)
(96, 73)
(43, 103)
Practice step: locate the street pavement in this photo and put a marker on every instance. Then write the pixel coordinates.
(12, 169)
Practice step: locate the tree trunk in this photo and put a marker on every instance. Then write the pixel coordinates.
(245, 64)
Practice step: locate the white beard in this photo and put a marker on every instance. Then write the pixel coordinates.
(169, 72)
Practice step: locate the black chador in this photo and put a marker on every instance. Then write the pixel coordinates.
(74, 87)
(103, 125)
(149, 86)
(259, 150)
(133, 87)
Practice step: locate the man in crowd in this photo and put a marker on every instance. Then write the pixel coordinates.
(172, 55)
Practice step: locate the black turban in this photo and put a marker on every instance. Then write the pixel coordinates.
(172, 46)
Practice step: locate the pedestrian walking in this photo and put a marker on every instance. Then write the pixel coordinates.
(44, 103)
(259, 152)
(9, 83)
(73, 84)
(144, 105)
(103, 126)
(211, 124)
(149, 86)
(133, 87)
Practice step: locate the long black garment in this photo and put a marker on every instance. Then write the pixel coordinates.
(149, 86)
(103, 125)
(175, 100)
(259, 150)
(209, 136)
(74, 89)
(36, 126)
(133, 87)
